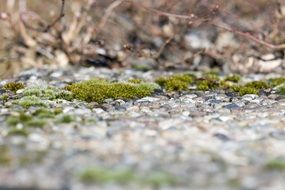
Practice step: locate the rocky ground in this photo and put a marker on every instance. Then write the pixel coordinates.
(171, 140)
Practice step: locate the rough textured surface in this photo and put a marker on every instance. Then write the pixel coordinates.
(171, 140)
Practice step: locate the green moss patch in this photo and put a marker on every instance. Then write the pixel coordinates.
(28, 101)
(176, 82)
(100, 175)
(5, 156)
(233, 78)
(14, 86)
(48, 93)
(97, 90)
(276, 164)
(273, 82)
(26, 120)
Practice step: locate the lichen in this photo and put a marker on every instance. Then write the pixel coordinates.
(97, 90)
(176, 82)
(14, 86)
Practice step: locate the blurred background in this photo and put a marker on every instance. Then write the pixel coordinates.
(140, 35)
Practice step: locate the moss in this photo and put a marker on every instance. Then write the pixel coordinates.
(273, 82)
(100, 175)
(14, 86)
(176, 82)
(258, 85)
(28, 101)
(98, 90)
(18, 132)
(136, 81)
(4, 97)
(158, 179)
(243, 90)
(233, 78)
(44, 113)
(49, 93)
(64, 118)
(5, 156)
(276, 164)
(25, 119)
(207, 84)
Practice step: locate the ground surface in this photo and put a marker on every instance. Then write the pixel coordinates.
(190, 140)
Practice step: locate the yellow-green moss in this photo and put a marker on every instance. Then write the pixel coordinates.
(176, 82)
(14, 86)
(97, 90)
(28, 101)
(18, 132)
(243, 90)
(207, 84)
(258, 85)
(159, 179)
(276, 164)
(5, 156)
(49, 93)
(103, 175)
(276, 81)
(26, 120)
(65, 118)
(233, 78)
(135, 81)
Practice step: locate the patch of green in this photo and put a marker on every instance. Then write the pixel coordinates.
(233, 78)
(14, 86)
(258, 85)
(281, 90)
(43, 113)
(207, 84)
(243, 90)
(26, 120)
(97, 90)
(4, 97)
(158, 179)
(5, 156)
(276, 164)
(273, 82)
(18, 132)
(136, 81)
(100, 175)
(49, 93)
(65, 118)
(28, 101)
(176, 82)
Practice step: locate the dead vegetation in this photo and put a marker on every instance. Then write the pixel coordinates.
(148, 35)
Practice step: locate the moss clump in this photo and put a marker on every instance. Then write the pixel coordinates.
(14, 86)
(65, 118)
(28, 101)
(100, 175)
(233, 78)
(276, 164)
(243, 90)
(258, 85)
(207, 84)
(48, 93)
(18, 132)
(136, 81)
(177, 82)
(5, 156)
(158, 179)
(4, 97)
(26, 120)
(97, 90)
(273, 82)
(44, 113)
